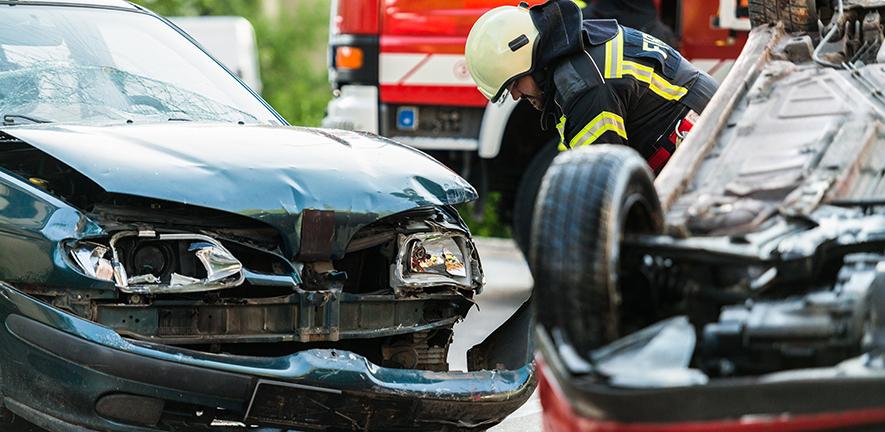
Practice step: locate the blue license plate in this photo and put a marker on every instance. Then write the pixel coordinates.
(407, 118)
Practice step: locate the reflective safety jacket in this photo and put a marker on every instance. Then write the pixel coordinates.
(626, 87)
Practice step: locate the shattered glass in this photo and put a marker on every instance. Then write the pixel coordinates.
(96, 65)
(222, 269)
(438, 256)
(58, 91)
(428, 260)
(91, 259)
(219, 263)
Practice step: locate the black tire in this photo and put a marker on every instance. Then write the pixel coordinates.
(527, 195)
(797, 15)
(588, 200)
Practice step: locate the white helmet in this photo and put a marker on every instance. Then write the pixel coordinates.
(500, 48)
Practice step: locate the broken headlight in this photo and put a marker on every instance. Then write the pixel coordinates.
(145, 262)
(432, 259)
(92, 258)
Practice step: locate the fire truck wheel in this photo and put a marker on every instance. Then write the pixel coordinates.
(527, 194)
(590, 198)
(797, 15)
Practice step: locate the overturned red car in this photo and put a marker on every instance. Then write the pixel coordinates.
(744, 288)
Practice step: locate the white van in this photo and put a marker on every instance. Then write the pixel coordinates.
(230, 39)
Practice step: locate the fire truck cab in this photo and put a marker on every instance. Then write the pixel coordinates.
(397, 69)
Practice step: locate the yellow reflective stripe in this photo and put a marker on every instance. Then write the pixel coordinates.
(561, 128)
(609, 46)
(581, 4)
(614, 56)
(604, 122)
(658, 84)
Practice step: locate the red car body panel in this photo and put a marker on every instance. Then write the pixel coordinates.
(559, 416)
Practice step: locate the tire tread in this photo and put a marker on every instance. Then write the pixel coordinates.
(797, 15)
(577, 211)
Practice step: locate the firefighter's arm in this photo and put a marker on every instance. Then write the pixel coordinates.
(597, 116)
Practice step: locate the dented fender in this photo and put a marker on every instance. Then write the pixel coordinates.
(33, 226)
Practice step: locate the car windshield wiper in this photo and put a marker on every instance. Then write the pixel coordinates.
(9, 119)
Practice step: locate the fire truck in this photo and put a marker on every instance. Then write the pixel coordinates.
(397, 69)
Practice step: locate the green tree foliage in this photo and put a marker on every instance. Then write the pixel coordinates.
(483, 219)
(291, 49)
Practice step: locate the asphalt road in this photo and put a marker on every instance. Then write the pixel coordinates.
(508, 284)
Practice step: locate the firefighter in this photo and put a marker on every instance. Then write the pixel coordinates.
(597, 81)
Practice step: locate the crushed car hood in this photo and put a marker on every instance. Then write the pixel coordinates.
(272, 174)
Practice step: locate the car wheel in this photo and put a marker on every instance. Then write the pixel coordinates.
(797, 15)
(527, 194)
(590, 198)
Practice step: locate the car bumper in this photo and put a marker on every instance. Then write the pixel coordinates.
(66, 373)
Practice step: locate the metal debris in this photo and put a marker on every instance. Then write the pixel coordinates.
(657, 356)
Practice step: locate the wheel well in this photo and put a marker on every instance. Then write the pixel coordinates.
(523, 139)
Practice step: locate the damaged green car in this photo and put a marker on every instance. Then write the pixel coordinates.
(173, 255)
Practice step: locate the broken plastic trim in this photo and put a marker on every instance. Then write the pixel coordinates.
(657, 356)
(428, 259)
(91, 259)
(223, 270)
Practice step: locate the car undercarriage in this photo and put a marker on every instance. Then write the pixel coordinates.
(750, 278)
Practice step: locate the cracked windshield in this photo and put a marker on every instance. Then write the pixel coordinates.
(98, 66)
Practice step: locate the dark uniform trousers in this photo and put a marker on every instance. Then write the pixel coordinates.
(628, 88)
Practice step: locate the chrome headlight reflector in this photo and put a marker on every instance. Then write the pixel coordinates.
(220, 269)
(93, 260)
(435, 259)
(440, 255)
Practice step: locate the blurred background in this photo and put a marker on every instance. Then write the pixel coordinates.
(292, 38)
